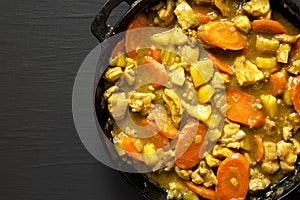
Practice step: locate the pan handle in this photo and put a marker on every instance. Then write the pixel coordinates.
(100, 28)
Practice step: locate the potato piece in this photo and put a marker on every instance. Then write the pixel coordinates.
(150, 155)
(199, 111)
(270, 105)
(177, 76)
(205, 93)
(283, 53)
(170, 37)
(201, 72)
(265, 63)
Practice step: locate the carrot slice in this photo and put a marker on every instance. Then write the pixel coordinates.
(159, 140)
(278, 81)
(155, 53)
(269, 26)
(259, 150)
(127, 143)
(119, 48)
(132, 38)
(157, 71)
(222, 35)
(241, 109)
(164, 123)
(221, 65)
(233, 178)
(188, 146)
(204, 192)
(295, 93)
(205, 13)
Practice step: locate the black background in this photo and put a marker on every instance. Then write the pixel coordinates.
(42, 45)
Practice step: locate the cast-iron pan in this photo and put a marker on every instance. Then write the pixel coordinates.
(102, 30)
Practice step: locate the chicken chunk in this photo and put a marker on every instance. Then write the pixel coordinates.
(287, 155)
(270, 149)
(220, 152)
(232, 133)
(257, 8)
(118, 105)
(286, 167)
(243, 23)
(166, 12)
(110, 91)
(204, 175)
(173, 104)
(182, 173)
(211, 161)
(246, 72)
(141, 102)
(113, 74)
(232, 136)
(287, 131)
(270, 163)
(271, 166)
(296, 145)
(186, 16)
(269, 126)
(257, 180)
(129, 74)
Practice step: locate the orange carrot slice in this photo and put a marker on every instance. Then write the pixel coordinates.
(278, 81)
(155, 53)
(127, 143)
(164, 123)
(159, 140)
(233, 178)
(221, 65)
(187, 147)
(241, 109)
(269, 26)
(295, 93)
(202, 191)
(222, 35)
(132, 39)
(259, 150)
(156, 70)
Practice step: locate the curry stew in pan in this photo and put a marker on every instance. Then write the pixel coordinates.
(241, 100)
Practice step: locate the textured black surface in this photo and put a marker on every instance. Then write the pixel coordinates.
(42, 44)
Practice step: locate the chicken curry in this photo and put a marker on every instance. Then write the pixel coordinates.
(239, 98)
